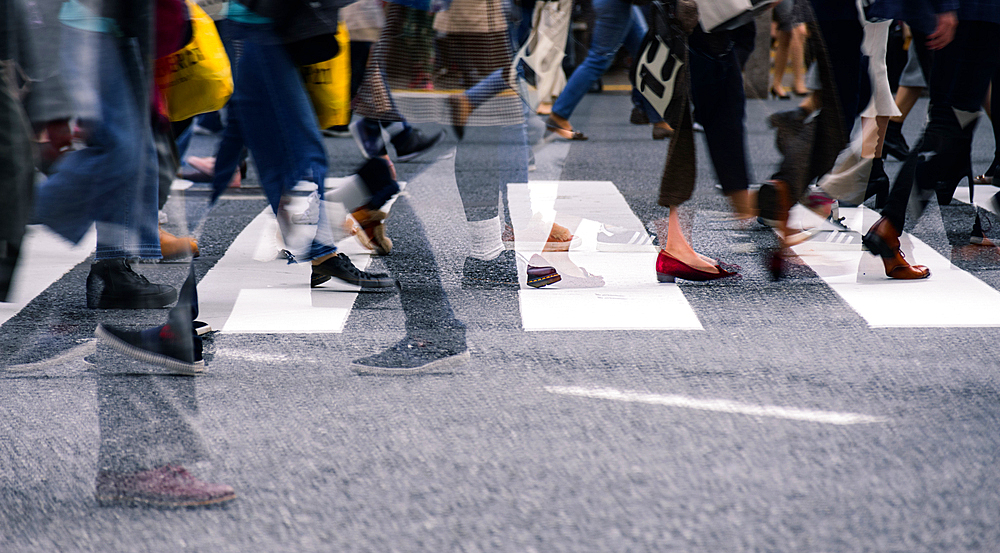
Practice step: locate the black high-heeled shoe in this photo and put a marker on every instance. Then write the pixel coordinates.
(785, 96)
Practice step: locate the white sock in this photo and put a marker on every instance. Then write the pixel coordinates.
(486, 241)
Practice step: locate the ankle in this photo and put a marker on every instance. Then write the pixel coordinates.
(320, 260)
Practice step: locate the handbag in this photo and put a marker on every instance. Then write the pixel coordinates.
(541, 56)
(328, 84)
(197, 78)
(726, 15)
(655, 70)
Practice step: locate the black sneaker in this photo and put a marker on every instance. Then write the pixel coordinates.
(112, 284)
(412, 143)
(340, 267)
(176, 350)
(499, 273)
(410, 356)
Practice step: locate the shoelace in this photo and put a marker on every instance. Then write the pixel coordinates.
(135, 274)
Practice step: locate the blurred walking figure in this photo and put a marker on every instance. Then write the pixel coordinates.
(711, 79)
(790, 35)
(617, 23)
(106, 54)
(960, 77)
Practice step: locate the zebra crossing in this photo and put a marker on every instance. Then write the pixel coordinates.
(242, 294)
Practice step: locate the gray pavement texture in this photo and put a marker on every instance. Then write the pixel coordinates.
(486, 458)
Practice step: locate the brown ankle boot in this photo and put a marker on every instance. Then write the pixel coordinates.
(373, 223)
(882, 239)
(173, 247)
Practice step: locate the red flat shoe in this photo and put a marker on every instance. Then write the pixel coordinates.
(669, 268)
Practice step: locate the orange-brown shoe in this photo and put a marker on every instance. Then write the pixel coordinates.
(373, 224)
(882, 239)
(173, 247)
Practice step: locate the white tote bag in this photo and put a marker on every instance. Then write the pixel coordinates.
(545, 49)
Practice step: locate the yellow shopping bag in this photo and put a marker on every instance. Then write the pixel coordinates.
(329, 84)
(197, 78)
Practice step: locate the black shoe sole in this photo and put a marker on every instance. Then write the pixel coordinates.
(159, 301)
(153, 358)
(443, 365)
(345, 286)
(543, 281)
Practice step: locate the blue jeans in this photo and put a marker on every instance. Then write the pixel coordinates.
(617, 23)
(113, 182)
(273, 115)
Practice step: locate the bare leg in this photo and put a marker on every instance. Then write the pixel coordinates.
(906, 98)
(797, 54)
(678, 246)
(784, 39)
(742, 204)
(812, 102)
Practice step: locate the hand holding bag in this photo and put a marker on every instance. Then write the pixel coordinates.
(197, 78)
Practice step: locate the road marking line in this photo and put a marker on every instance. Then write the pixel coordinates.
(718, 405)
(45, 258)
(242, 295)
(631, 298)
(951, 297)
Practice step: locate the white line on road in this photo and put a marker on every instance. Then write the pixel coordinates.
(631, 298)
(267, 295)
(718, 405)
(951, 297)
(45, 258)
(983, 195)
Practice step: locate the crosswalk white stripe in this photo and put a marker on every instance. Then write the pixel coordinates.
(631, 298)
(45, 258)
(983, 195)
(951, 297)
(718, 405)
(241, 295)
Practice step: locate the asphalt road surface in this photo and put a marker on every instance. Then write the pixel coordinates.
(832, 411)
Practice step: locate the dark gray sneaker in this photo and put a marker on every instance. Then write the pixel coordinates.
(410, 145)
(410, 356)
(178, 351)
(496, 274)
(339, 267)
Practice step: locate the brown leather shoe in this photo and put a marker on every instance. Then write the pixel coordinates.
(173, 247)
(373, 225)
(882, 239)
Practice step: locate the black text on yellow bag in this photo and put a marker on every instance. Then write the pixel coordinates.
(197, 78)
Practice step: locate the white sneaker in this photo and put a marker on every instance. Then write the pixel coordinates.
(618, 239)
(303, 203)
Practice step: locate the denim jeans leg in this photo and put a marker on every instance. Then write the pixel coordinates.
(113, 181)
(614, 18)
(277, 120)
